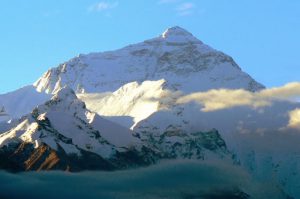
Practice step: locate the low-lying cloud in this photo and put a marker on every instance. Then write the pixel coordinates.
(294, 119)
(218, 99)
(176, 180)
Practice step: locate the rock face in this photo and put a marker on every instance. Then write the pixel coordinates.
(27, 157)
(179, 145)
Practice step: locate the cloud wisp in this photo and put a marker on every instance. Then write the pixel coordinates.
(218, 99)
(167, 1)
(185, 9)
(182, 8)
(102, 6)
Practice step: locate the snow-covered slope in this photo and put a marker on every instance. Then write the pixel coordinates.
(22, 101)
(4, 117)
(129, 104)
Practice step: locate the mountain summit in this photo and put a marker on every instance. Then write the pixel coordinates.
(177, 34)
(176, 56)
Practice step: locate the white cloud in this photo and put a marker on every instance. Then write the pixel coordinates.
(220, 99)
(102, 6)
(167, 1)
(186, 8)
(294, 119)
(182, 8)
(51, 13)
(226, 98)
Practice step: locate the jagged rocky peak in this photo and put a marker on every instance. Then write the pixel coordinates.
(63, 99)
(177, 34)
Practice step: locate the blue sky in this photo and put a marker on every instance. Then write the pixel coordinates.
(261, 35)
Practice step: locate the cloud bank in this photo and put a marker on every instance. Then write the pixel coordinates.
(171, 180)
(218, 99)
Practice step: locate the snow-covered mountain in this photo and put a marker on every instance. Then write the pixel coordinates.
(175, 60)
(176, 56)
(125, 86)
(136, 90)
(22, 101)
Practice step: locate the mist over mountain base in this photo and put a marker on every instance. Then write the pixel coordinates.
(177, 179)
